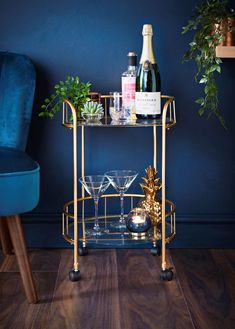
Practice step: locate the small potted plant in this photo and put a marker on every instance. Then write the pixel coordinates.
(92, 112)
(210, 25)
(72, 89)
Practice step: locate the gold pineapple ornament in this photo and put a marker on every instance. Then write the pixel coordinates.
(152, 203)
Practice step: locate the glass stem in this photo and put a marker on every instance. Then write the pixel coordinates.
(96, 225)
(122, 220)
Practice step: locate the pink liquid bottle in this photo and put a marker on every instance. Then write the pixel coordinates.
(129, 82)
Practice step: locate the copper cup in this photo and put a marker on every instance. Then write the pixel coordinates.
(230, 35)
(95, 96)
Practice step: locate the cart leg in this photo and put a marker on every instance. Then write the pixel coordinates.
(156, 248)
(83, 250)
(74, 275)
(166, 273)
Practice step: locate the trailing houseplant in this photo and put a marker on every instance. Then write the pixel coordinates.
(72, 89)
(209, 27)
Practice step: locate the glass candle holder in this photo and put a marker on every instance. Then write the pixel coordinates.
(138, 223)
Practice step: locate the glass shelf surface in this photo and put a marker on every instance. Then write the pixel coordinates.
(116, 237)
(107, 122)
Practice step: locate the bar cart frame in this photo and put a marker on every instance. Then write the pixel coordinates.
(70, 209)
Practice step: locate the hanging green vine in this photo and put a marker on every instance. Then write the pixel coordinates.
(209, 25)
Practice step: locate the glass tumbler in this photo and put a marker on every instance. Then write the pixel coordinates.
(117, 111)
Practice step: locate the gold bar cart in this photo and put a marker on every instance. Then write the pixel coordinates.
(74, 219)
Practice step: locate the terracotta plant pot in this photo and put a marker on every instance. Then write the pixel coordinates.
(230, 35)
(227, 25)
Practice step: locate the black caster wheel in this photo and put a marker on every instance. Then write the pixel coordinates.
(82, 251)
(156, 251)
(74, 275)
(167, 274)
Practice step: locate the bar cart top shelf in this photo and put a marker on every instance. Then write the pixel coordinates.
(106, 121)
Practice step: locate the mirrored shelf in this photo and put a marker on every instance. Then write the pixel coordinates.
(168, 106)
(108, 122)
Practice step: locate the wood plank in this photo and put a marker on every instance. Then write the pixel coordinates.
(122, 289)
(18, 241)
(206, 281)
(1, 257)
(146, 302)
(92, 302)
(5, 237)
(229, 254)
(7, 263)
(225, 51)
(225, 260)
(15, 312)
(40, 260)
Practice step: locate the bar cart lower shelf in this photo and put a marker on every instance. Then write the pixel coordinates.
(114, 237)
(77, 217)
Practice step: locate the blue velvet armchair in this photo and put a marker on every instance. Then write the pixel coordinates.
(19, 174)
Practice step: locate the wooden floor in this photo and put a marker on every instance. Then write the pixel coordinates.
(121, 289)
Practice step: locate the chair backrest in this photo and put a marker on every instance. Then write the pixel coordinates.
(17, 86)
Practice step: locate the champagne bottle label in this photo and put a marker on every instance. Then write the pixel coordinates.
(128, 90)
(148, 102)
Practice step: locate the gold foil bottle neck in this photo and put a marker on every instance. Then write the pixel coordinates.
(147, 50)
(147, 29)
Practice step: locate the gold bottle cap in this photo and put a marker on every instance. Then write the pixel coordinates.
(147, 29)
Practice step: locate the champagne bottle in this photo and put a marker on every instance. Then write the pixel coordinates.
(148, 81)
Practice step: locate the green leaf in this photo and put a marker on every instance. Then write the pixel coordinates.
(218, 60)
(200, 101)
(210, 43)
(201, 111)
(192, 44)
(207, 89)
(203, 80)
(218, 69)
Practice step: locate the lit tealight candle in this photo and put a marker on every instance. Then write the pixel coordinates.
(138, 223)
(138, 219)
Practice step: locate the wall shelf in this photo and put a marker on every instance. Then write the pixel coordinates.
(225, 52)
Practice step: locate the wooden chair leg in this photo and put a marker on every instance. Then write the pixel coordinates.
(18, 241)
(5, 237)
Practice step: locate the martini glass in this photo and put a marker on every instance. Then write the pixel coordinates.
(121, 180)
(95, 186)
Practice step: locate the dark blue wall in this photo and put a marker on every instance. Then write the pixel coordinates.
(91, 39)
